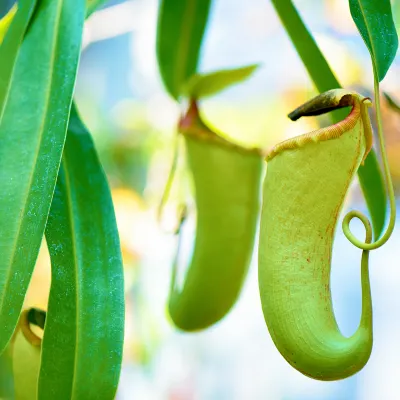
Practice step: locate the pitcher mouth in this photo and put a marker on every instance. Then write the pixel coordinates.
(330, 132)
(191, 124)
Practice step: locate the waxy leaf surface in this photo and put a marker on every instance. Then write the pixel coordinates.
(83, 338)
(32, 134)
(14, 32)
(369, 174)
(374, 20)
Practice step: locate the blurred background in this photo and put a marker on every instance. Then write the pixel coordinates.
(133, 121)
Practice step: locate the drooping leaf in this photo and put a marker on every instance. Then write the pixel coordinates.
(83, 338)
(369, 175)
(374, 21)
(180, 31)
(32, 134)
(10, 46)
(5, 22)
(392, 103)
(203, 85)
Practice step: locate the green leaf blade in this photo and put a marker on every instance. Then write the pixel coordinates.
(391, 102)
(5, 22)
(93, 5)
(32, 134)
(204, 85)
(369, 175)
(374, 21)
(10, 47)
(180, 31)
(83, 338)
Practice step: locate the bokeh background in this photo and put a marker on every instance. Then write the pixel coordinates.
(133, 121)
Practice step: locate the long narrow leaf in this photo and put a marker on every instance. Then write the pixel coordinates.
(10, 47)
(83, 338)
(93, 5)
(180, 31)
(374, 20)
(32, 135)
(203, 85)
(391, 102)
(5, 22)
(369, 175)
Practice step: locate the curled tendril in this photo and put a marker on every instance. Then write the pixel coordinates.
(36, 317)
(295, 257)
(357, 214)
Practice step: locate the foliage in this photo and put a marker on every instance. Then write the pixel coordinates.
(89, 317)
(203, 85)
(280, 235)
(180, 32)
(53, 184)
(369, 174)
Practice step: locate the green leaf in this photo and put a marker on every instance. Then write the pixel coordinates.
(5, 22)
(93, 5)
(369, 175)
(32, 134)
(374, 21)
(180, 31)
(10, 47)
(83, 338)
(203, 85)
(392, 103)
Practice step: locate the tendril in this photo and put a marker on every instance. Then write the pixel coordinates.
(36, 317)
(388, 180)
